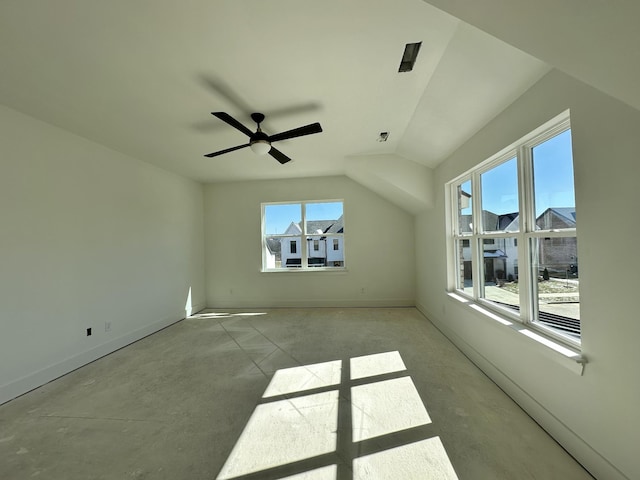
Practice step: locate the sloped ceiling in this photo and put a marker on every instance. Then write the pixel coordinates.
(142, 78)
(592, 40)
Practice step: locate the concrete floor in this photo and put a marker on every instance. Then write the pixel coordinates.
(282, 393)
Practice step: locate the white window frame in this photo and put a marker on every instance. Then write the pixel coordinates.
(521, 150)
(304, 238)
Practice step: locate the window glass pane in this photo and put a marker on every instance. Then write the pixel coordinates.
(322, 251)
(464, 277)
(465, 204)
(557, 286)
(334, 257)
(282, 251)
(555, 205)
(324, 227)
(282, 218)
(500, 271)
(500, 197)
(325, 217)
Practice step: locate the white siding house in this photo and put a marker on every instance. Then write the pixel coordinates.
(324, 244)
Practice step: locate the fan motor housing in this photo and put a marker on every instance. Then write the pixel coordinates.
(259, 135)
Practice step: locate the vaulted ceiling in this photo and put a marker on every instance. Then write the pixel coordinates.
(142, 77)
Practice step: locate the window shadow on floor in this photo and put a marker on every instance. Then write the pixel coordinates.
(355, 418)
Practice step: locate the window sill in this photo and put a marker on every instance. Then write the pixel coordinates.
(563, 354)
(293, 271)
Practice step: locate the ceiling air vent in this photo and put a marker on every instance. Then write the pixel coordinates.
(409, 56)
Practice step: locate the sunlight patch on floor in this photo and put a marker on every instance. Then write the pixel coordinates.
(306, 377)
(283, 432)
(386, 407)
(325, 473)
(227, 314)
(423, 460)
(378, 364)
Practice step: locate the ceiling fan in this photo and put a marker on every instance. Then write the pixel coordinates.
(259, 141)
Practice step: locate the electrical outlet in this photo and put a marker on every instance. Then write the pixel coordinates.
(107, 326)
(88, 332)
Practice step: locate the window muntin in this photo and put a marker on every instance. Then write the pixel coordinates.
(523, 221)
(289, 246)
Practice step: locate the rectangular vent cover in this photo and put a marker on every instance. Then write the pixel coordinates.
(409, 56)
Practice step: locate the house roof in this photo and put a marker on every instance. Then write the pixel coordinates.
(510, 222)
(565, 215)
(273, 244)
(567, 212)
(506, 220)
(319, 226)
(315, 227)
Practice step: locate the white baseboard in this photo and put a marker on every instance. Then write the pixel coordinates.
(311, 303)
(36, 379)
(583, 452)
(194, 309)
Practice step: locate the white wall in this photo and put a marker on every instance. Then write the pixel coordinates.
(87, 236)
(594, 416)
(379, 248)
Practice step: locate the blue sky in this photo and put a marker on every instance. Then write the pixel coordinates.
(279, 217)
(553, 179)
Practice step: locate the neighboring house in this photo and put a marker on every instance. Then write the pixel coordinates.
(273, 247)
(322, 250)
(558, 255)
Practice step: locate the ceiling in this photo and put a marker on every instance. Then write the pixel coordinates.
(142, 78)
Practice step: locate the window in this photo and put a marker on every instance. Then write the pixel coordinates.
(309, 229)
(513, 239)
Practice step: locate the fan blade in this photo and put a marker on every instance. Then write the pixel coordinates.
(225, 117)
(279, 156)
(296, 132)
(215, 154)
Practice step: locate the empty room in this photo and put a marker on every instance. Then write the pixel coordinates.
(248, 239)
